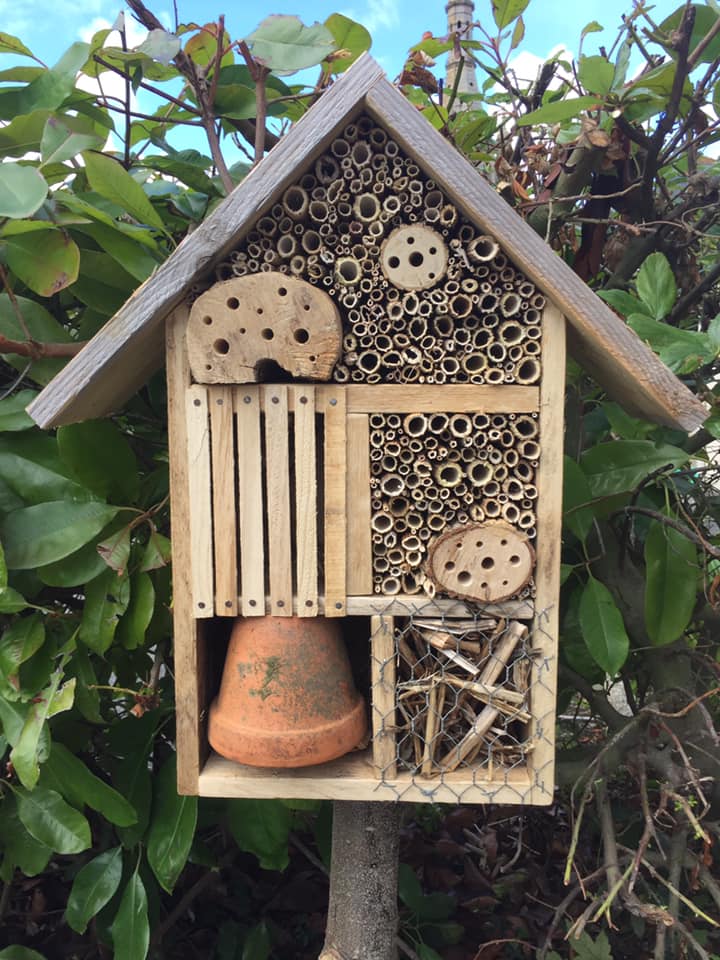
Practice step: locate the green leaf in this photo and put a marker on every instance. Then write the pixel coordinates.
(705, 20)
(3, 570)
(10, 44)
(518, 34)
(258, 943)
(596, 74)
(35, 483)
(623, 425)
(578, 514)
(46, 262)
(106, 600)
(172, 828)
(111, 180)
(655, 284)
(286, 45)
(47, 532)
(137, 617)
(160, 45)
(87, 699)
(131, 929)
(623, 464)
(558, 111)
(20, 641)
(26, 753)
(588, 949)
(505, 11)
(20, 849)
(681, 350)
(101, 459)
(43, 328)
(22, 190)
(64, 137)
(53, 822)
(78, 785)
(592, 27)
(602, 627)
(11, 601)
(671, 583)
(77, 568)
(348, 35)
(94, 886)
(20, 953)
(262, 827)
(12, 412)
(187, 172)
(129, 252)
(157, 552)
(115, 551)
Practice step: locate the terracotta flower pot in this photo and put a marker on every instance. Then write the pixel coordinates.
(287, 697)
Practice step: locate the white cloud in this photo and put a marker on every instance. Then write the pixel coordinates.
(377, 15)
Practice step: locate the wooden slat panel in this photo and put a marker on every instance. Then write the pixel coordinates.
(335, 513)
(382, 658)
(613, 353)
(251, 502)
(543, 695)
(200, 519)
(353, 777)
(189, 660)
(451, 398)
(359, 543)
(303, 403)
(277, 484)
(222, 441)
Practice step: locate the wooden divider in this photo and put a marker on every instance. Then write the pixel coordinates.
(200, 518)
(277, 480)
(306, 508)
(222, 445)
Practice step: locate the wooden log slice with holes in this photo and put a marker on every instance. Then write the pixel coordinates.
(481, 561)
(238, 326)
(414, 257)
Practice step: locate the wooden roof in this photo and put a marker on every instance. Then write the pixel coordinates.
(121, 356)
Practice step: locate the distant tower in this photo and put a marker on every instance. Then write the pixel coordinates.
(460, 13)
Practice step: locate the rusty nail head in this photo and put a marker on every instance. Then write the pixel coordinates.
(252, 603)
(333, 402)
(338, 606)
(228, 603)
(276, 399)
(303, 399)
(201, 605)
(281, 603)
(247, 399)
(196, 402)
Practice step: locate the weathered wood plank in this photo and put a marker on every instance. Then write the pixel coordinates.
(120, 357)
(543, 695)
(250, 500)
(222, 442)
(200, 518)
(609, 349)
(359, 542)
(277, 484)
(334, 506)
(306, 512)
(382, 708)
(451, 397)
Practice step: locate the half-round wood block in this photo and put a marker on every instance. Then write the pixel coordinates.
(239, 325)
(481, 561)
(414, 257)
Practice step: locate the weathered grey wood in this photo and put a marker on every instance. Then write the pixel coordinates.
(121, 356)
(609, 349)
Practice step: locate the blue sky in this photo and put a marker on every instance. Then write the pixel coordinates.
(48, 27)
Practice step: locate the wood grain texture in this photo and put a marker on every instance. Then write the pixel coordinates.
(251, 502)
(412, 605)
(359, 543)
(382, 708)
(121, 356)
(188, 663)
(451, 398)
(200, 516)
(353, 777)
(609, 349)
(334, 506)
(543, 695)
(277, 484)
(302, 400)
(222, 442)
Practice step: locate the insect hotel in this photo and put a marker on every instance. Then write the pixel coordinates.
(365, 351)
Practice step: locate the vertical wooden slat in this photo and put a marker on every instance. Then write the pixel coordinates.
(547, 575)
(250, 500)
(382, 655)
(222, 442)
(277, 482)
(334, 506)
(303, 403)
(188, 658)
(359, 544)
(200, 519)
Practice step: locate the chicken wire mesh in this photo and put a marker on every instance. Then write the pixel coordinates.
(462, 703)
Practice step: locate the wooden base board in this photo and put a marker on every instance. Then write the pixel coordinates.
(353, 777)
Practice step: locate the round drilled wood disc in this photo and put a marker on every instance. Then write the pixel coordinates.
(481, 561)
(238, 324)
(414, 257)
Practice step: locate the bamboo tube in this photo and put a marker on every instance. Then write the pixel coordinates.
(460, 425)
(390, 586)
(295, 202)
(286, 246)
(527, 371)
(447, 474)
(510, 512)
(479, 473)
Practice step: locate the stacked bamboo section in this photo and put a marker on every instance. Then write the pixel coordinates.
(424, 296)
(271, 539)
(429, 472)
(462, 696)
